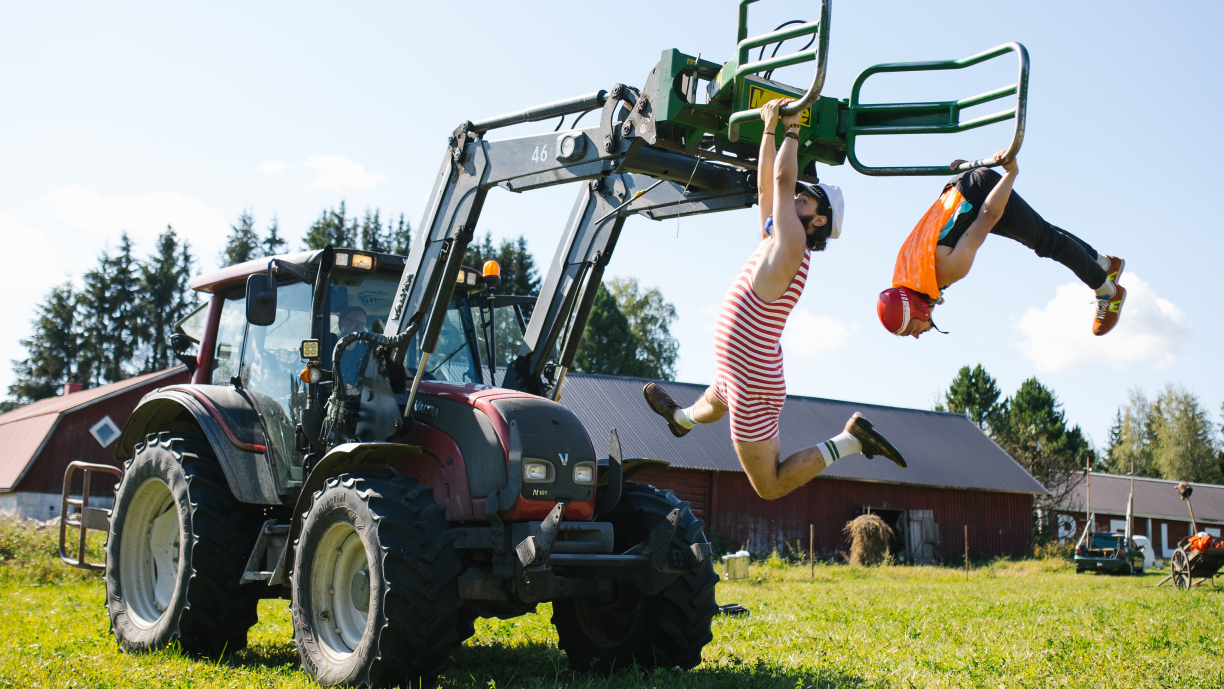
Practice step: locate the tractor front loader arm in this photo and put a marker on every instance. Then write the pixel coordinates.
(586, 247)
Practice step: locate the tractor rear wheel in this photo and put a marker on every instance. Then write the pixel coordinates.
(175, 553)
(375, 584)
(668, 629)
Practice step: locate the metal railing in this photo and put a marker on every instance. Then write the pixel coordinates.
(936, 117)
(87, 517)
(819, 54)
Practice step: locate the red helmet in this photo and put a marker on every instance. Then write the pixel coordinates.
(897, 305)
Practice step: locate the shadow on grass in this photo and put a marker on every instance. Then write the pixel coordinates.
(544, 665)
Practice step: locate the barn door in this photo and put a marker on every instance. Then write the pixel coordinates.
(922, 538)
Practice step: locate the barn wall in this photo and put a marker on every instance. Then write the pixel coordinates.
(71, 441)
(1000, 524)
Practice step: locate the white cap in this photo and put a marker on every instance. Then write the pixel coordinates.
(836, 203)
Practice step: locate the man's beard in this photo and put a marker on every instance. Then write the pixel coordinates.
(818, 238)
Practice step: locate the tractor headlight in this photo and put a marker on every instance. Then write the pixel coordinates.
(584, 474)
(535, 471)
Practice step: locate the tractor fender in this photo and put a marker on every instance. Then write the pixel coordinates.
(225, 418)
(342, 459)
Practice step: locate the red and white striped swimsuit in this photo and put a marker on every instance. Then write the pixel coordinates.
(748, 352)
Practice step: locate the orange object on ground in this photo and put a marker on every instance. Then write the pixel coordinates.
(915, 267)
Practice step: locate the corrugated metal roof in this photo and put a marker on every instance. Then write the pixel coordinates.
(62, 403)
(943, 450)
(24, 431)
(19, 442)
(1154, 497)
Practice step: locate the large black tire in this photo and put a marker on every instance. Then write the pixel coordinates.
(665, 630)
(393, 536)
(176, 550)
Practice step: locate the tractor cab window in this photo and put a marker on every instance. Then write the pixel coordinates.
(228, 352)
(358, 301)
(452, 359)
(499, 336)
(270, 368)
(193, 324)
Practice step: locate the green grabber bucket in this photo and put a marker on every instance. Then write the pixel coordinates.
(943, 117)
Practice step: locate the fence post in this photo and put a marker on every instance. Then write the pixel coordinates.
(812, 548)
(966, 552)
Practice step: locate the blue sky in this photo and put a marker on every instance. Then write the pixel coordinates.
(135, 117)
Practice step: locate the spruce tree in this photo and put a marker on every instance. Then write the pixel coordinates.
(975, 394)
(167, 297)
(399, 237)
(51, 349)
(373, 237)
(127, 329)
(1133, 437)
(94, 316)
(333, 227)
(273, 244)
(243, 243)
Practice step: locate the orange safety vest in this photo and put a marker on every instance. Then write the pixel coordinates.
(915, 267)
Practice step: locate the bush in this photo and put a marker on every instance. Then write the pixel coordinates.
(1053, 550)
(29, 552)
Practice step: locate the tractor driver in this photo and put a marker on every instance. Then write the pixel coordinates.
(796, 219)
(941, 248)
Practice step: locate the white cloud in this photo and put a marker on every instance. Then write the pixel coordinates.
(338, 172)
(271, 168)
(1059, 337)
(808, 335)
(144, 216)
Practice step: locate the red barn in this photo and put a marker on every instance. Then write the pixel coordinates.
(957, 475)
(38, 441)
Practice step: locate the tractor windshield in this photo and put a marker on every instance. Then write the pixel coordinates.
(499, 336)
(358, 301)
(452, 359)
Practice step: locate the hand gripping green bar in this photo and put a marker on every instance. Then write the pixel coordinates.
(936, 118)
(743, 68)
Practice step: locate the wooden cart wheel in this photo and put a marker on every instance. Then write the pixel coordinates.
(1181, 569)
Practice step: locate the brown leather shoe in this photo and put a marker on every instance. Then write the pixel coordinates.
(873, 443)
(664, 406)
(1108, 311)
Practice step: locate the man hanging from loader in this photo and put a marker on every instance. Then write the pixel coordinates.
(941, 249)
(796, 219)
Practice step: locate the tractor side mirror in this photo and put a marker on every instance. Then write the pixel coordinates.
(261, 299)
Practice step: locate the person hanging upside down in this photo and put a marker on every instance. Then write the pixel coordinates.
(796, 218)
(941, 249)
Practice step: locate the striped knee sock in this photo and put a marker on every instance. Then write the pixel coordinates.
(839, 446)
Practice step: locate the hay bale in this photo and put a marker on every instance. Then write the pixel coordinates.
(869, 539)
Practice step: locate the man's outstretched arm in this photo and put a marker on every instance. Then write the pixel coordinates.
(765, 161)
(952, 266)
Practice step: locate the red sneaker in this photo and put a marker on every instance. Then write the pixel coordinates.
(1108, 311)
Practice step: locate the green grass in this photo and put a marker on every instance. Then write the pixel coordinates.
(1010, 624)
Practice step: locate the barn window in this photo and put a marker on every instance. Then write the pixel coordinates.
(105, 431)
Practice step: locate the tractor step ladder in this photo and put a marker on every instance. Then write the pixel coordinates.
(86, 517)
(936, 117)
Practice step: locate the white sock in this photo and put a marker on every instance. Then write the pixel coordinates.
(1106, 290)
(684, 417)
(1103, 261)
(839, 446)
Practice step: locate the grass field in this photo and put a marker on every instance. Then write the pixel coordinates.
(1010, 624)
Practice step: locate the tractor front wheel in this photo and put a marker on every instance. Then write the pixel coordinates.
(175, 553)
(376, 583)
(668, 629)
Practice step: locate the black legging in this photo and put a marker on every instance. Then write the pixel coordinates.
(1021, 223)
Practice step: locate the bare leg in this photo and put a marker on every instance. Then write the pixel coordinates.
(708, 408)
(772, 479)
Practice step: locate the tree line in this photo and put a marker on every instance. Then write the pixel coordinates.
(118, 322)
(1171, 437)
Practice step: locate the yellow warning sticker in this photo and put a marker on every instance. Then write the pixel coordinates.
(758, 96)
